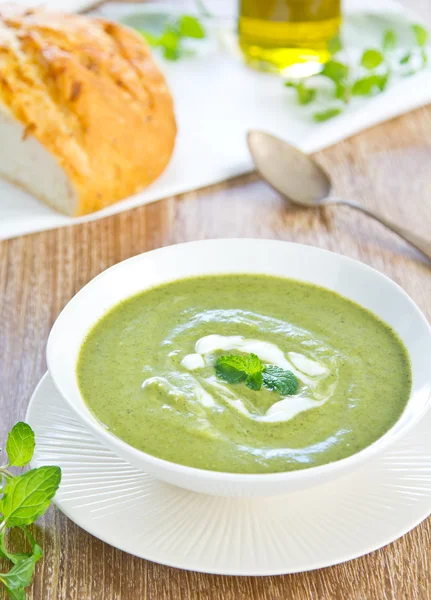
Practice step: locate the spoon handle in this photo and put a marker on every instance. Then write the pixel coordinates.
(417, 241)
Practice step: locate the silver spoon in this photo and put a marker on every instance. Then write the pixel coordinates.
(300, 179)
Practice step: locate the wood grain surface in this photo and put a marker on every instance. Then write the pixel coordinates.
(387, 168)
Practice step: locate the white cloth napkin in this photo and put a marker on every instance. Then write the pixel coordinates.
(217, 100)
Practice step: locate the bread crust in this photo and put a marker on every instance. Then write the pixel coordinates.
(92, 95)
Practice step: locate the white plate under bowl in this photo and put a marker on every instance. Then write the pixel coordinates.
(300, 531)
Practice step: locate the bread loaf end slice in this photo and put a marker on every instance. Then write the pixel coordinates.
(29, 165)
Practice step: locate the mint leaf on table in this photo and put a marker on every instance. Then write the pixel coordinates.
(342, 91)
(27, 496)
(191, 27)
(170, 39)
(15, 594)
(371, 59)
(170, 43)
(335, 70)
(20, 575)
(153, 40)
(367, 86)
(20, 445)
(389, 40)
(340, 73)
(421, 34)
(24, 498)
(405, 58)
(305, 95)
(280, 380)
(327, 114)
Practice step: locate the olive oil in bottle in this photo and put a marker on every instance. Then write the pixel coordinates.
(288, 36)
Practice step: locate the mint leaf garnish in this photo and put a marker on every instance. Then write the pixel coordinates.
(231, 368)
(327, 114)
(235, 369)
(254, 381)
(421, 34)
(248, 368)
(280, 380)
(372, 59)
(20, 445)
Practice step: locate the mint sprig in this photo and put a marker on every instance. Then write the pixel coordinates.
(248, 368)
(374, 71)
(24, 499)
(175, 32)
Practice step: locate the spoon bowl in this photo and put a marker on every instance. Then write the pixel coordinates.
(288, 170)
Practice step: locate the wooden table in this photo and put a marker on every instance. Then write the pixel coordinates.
(387, 167)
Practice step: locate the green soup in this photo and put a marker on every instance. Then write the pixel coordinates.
(147, 372)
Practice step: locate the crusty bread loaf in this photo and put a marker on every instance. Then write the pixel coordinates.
(86, 117)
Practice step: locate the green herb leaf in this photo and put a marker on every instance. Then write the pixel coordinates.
(325, 115)
(369, 85)
(254, 381)
(20, 575)
(234, 369)
(421, 34)
(27, 496)
(191, 27)
(231, 368)
(276, 378)
(305, 94)
(405, 58)
(335, 70)
(342, 91)
(372, 59)
(170, 42)
(20, 445)
(14, 594)
(424, 56)
(334, 45)
(389, 40)
(153, 40)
